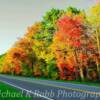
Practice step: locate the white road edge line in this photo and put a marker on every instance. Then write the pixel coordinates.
(27, 90)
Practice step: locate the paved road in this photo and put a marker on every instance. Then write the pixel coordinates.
(52, 90)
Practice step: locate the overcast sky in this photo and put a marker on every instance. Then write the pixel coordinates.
(16, 15)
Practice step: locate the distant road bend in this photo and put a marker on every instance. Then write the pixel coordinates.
(52, 90)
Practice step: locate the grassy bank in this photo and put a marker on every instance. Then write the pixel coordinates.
(9, 93)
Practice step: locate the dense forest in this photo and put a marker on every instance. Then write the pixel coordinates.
(64, 45)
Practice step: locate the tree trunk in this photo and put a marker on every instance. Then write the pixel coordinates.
(98, 45)
(81, 74)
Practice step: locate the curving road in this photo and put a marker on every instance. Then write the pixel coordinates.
(51, 90)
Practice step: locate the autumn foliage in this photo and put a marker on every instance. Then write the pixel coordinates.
(64, 45)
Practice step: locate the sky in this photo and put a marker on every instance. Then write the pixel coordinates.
(17, 15)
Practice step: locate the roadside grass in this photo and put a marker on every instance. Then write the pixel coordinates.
(9, 93)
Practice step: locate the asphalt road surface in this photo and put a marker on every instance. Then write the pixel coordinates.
(39, 89)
